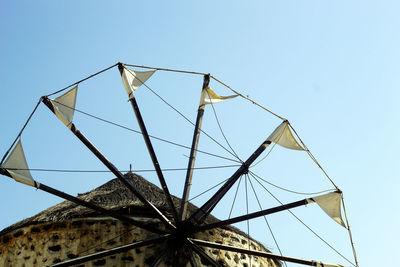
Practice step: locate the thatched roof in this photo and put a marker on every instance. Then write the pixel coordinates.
(112, 195)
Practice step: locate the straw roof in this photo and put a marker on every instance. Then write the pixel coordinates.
(113, 195)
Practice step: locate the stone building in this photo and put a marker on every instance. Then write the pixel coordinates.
(67, 231)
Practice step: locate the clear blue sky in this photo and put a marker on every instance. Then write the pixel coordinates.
(331, 68)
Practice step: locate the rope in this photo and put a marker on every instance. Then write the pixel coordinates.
(183, 116)
(20, 132)
(208, 190)
(220, 128)
(87, 78)
(313, 158)
(106, 171)
(164, 69)
(291, 191)
(270, 150)
(248, 99)
(139, 132)
(233, 204)
(350, 235)
(312, 231)
(266, 221)
(307, 150)
(234, 199)
(247, 213)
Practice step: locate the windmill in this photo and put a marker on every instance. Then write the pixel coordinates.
(182, 233)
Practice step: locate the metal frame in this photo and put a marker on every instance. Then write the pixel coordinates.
(180, 234)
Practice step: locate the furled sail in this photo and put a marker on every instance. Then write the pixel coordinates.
(64, 106)
(17, 166)
(330, 203)
(132, 80)
(208, 96)
(284, 137)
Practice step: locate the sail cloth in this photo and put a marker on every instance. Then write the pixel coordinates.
(208, 96)
(132, 80)
(64, 106)
(17, 166)
(284, 137)
(330, 203)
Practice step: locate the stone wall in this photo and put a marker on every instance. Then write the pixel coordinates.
(49, 243)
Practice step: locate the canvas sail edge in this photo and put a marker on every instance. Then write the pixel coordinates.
(64, 106)
(17, 166)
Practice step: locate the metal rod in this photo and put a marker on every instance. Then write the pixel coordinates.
(112, 251)
(89, 205)
(192, 259)
(204, 255)
(151, 150)
(260, 253)
(164, 69)
(159, 258)
(192, 157)
(114, 170)
(78, 82)
(202, 213)
(252, 215)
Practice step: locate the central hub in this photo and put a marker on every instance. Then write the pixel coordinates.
(183, 231)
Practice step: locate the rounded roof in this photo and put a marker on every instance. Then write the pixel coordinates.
(113, 195)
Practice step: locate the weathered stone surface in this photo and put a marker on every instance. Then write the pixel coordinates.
(83, 236)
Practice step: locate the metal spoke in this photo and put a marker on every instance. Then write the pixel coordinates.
(263, 254)
(192, 258)
(252, 215)
(113, 169)
(202, 213)
(89, 205)
(192, 157)
(159, 258)
(112, 251)
(204, 255)
(150, 148)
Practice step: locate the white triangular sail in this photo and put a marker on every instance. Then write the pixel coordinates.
(330, 203)
(64, 106)
(208, 96)
(132, 80)
(17, 166)
(284, 137)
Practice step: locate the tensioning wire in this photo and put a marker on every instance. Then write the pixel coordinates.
(107, 171)
(292, 191)
(305, 225)
(183, 116)
(138, 132)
